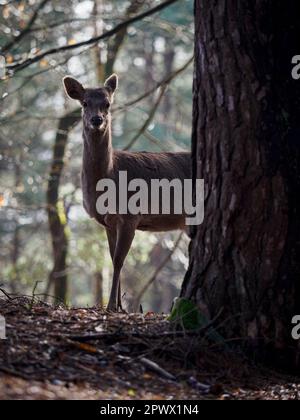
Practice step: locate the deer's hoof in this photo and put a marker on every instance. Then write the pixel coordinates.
(111, 308)
(116, 308)
(122, 311)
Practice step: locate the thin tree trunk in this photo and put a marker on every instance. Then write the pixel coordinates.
(15, 252)
(98, 282)
(245, 144)
(97, 51)
(56, 213)
(149, 77)
(169, 57)
(115, 43)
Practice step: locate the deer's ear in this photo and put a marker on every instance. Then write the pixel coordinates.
(112, 83)
(73, 88)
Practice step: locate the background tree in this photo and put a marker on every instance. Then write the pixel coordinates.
(245, 256)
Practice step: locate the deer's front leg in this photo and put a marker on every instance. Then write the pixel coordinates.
(125, 235)
(112, 239)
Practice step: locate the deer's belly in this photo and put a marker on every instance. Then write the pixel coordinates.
(161, 223)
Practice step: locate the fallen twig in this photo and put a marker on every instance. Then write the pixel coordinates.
(15, 373)
(157, 369)
(203, 388)
(6, 294)
(120, 334)
(33, 295)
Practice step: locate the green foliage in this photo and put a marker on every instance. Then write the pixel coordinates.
(186, 315)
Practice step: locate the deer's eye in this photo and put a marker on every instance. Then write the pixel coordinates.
(106, 105)
(84, 104)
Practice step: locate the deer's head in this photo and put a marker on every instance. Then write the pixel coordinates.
(95, 103)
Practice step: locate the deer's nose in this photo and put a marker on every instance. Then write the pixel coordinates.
(96, 121)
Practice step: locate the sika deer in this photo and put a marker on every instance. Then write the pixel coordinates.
(100, 161)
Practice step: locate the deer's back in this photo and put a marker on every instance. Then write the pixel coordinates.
(149, 165)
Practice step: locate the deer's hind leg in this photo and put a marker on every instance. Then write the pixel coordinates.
(125, 235)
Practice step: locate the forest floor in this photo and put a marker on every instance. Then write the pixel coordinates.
(58, 353)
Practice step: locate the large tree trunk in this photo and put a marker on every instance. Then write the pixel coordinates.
(246, 131)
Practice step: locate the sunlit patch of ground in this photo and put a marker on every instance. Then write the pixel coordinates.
(58, 353)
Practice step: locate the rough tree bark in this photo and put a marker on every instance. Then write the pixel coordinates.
(245, 144)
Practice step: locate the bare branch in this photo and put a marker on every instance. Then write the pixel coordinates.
(14, 68)
(165, 81)
(51, 25)
(149, 119)
(27, 29)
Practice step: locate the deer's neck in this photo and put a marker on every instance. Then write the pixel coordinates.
(97, 153)
(97, 164)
